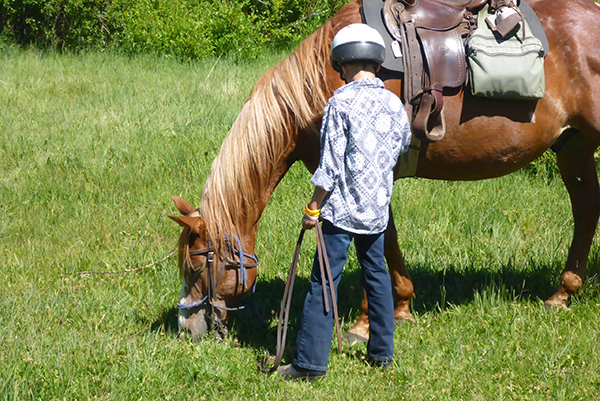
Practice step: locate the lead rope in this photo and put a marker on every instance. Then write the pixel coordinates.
(284, 313)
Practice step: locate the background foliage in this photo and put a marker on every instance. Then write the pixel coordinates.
(187, 29)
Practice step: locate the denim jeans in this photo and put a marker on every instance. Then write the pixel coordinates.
(316, 327)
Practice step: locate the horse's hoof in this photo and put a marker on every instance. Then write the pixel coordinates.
(405, 318)
(352, 339)
(553, 306)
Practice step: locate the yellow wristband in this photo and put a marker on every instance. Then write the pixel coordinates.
(312, 213)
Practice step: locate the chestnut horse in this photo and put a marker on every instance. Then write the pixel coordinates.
(279, 125)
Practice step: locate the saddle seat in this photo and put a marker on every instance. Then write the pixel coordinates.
(438, 14)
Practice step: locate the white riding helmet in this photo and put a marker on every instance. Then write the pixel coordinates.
(356, 42)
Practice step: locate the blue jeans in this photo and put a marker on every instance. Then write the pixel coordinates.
(316, 327)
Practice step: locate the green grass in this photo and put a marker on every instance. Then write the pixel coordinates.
(91, 149)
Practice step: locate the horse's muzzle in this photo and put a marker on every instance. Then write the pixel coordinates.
(193, 322)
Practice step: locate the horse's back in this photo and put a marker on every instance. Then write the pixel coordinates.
(573, 30)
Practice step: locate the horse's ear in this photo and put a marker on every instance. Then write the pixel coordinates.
(183, 207)
(196, 224)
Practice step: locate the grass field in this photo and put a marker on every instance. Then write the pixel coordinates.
(93, 146)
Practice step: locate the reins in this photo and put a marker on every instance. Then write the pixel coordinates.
(284, 313)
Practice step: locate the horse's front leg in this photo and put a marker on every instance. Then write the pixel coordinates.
(578, 171)
(402, 288)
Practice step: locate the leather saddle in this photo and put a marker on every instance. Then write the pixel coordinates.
(429, 36)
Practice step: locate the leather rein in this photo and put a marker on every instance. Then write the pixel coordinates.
(282, 323)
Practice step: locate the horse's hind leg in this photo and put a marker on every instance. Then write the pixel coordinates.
(402, 288)
(578, 171)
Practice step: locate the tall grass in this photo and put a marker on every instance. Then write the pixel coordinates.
(91, 149)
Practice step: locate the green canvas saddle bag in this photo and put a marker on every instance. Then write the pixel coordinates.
(505, 68)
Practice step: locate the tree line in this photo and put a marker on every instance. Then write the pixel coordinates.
(187, 29)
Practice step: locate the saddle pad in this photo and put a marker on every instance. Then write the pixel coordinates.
(371, 12)
(535, 25)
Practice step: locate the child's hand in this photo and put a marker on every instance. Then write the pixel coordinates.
(308, 222)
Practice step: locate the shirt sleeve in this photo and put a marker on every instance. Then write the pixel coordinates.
(333, 148)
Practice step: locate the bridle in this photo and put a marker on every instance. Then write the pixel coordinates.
(209, 299)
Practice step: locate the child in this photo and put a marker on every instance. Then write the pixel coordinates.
(364, 130)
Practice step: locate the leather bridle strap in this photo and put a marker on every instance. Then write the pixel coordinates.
(284, 313)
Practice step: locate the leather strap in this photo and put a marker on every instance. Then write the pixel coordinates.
(414, 59)
(284, 313)
(325, 261)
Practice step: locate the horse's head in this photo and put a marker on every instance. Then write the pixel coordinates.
(214, 275)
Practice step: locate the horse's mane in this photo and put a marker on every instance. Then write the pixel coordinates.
(284, 100)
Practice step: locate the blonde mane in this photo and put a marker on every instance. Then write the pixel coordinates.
(285, 100)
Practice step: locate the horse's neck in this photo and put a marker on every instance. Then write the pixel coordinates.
(262, 199)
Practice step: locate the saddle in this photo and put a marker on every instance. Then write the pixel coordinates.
(430, 35)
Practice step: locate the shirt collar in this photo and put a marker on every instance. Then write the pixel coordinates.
(361, 83)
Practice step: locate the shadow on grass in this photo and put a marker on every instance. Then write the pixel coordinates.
(168, 320)
(435, 290)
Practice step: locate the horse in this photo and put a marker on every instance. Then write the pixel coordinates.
(485, 138)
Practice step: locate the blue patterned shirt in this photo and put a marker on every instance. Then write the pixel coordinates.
(364, 130)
